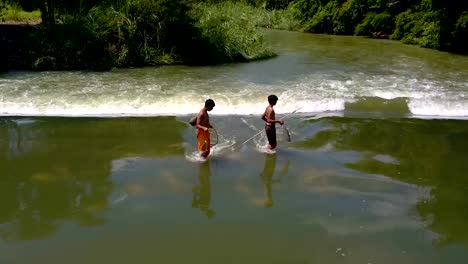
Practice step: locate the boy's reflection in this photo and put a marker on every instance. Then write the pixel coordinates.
(202, 193)
(267, 177)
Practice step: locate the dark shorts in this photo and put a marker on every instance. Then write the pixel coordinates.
(271, 135)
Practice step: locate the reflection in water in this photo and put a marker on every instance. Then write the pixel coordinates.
(202, 193)
(422, 152)
(267, 177)
(57, 181)
(43, 183)
(54, 170)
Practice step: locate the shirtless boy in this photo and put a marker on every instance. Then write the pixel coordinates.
(269, 118)
(203, 124)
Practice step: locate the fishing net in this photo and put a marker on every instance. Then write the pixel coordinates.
(193, 121)
(286, 134)
(213, 136)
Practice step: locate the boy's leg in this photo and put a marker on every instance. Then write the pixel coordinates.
(271, 135)
(204, 143)
(207, 145)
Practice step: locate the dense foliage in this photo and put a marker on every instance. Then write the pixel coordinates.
(13, 12)
(100, 34)
(439, 24)
(123, 33)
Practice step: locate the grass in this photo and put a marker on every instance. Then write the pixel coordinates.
(231, 30)
(151, 32)
(13, 12)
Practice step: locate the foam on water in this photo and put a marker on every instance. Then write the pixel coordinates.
(181, 93)
(222, 147)
(194, 156)
(265, 149)
(433, 107)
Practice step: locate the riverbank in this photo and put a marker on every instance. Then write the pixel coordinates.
(212, 33)
(141, 33)
(14, 48)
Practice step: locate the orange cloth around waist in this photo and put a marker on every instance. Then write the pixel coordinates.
(203, 140)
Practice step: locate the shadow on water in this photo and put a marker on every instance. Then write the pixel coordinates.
(55, 170)
(202, 192)
(428, 153)
(268, 179)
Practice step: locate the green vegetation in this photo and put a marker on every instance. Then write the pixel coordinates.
(101, 34)
(229, 30)
(437, 24)
(133, 33)
(14, 12)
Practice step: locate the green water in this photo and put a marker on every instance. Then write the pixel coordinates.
(375, 171)
(345, 190)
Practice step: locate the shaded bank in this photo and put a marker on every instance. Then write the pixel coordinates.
(136, 33)
(13, 46)
(432, 24)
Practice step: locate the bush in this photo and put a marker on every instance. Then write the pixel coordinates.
(13, 12)
(422, 28)
(428, 23)
(405, 22)
(429, 36)
(322, 21)
(376, 25)
(343, 19)
(134, 33)
(68, 46)
(365, 27)
(154, 32)
(460, 34)
(306, 9)
(359, 10)
(277, 4)
(284, 19)
(383, 23)
(228, 33)
(143, 32)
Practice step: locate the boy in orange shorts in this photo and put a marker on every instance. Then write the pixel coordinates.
(203, 124)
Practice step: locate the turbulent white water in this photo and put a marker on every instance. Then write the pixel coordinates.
(308, 80)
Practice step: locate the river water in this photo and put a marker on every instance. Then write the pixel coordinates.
(102, 167)
(317, 73)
